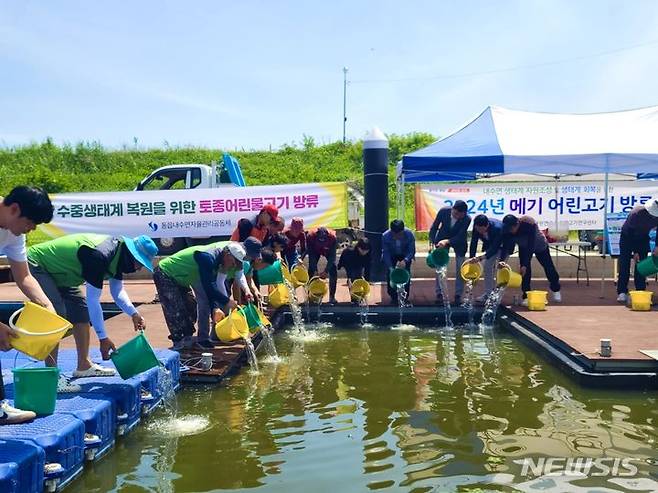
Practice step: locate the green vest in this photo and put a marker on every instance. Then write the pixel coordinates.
(59, 257)
(183, 269)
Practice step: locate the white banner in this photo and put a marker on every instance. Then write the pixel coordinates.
(194, 213)
(578, 202)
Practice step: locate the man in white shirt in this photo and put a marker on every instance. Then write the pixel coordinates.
(20, 212)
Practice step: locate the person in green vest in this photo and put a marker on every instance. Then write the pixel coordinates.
(62, 265)
(191, 285)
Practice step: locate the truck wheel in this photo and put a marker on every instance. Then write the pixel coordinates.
(168, 246)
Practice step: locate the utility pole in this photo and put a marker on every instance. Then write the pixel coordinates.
(344, 101)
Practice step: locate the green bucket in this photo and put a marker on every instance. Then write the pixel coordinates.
(35, 389)
(399, 277)
(135, 356)
(251, 315)
(272, 274)
(649, 266)
(439, 257)
(430, 261)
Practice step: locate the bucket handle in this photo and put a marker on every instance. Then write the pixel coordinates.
(28, 333)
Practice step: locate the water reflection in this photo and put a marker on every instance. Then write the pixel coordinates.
(374, 409)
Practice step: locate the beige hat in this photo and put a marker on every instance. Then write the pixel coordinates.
(652, 206)
(236, 250)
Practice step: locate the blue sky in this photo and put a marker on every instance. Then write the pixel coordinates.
(253, 74)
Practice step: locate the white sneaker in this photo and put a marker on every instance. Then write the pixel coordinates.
(524, 302)
(12, 416)
(557, 296)
(65, 386)
(622, 298)
(95, 371)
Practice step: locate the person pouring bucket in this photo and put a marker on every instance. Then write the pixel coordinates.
(524, 232)
(191, 286)
(20, 212)
(449, 231)
(322, 242)
(398, 251)
(634, 242)
(62, 265)
(490, 232)
(356, 261)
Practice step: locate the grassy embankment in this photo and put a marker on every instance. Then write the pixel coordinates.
(88, 167)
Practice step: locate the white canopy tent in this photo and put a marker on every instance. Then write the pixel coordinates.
(504, 141)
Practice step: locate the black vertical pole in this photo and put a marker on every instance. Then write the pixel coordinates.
(375, 180)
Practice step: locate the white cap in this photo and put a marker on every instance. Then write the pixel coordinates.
(375, 140)
(652, 206)
(236, 250)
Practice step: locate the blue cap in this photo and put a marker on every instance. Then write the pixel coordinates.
(252, 246)
(143, 248)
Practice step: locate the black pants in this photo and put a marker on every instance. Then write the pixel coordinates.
(331, 270)
(391, 291)
(354, 273)
(628, 246)
(545, 260)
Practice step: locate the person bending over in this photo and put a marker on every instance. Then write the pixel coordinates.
(634, 243)
(20, 212)
(191, 286)
(398, 251)
(63, 265)
(525, 233)
(322, 243)
(490, 232)
(449, 231)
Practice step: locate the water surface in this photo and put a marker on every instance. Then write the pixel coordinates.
(410, 410)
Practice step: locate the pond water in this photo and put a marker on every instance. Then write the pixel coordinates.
(390, 410)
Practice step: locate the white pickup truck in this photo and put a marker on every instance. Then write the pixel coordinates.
(188, 176)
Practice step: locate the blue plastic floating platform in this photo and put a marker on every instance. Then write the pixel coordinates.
(98, 417)
(125, 396)
(61, 436)
(21, 467)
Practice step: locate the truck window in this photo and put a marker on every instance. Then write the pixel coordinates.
(168, 179)
(195, 179)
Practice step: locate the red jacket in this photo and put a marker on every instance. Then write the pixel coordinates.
(293, 241)
(321, 247)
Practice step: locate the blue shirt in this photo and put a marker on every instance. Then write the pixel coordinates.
(404, 247)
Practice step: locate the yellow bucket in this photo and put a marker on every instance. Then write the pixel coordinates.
(299, 275)
(278, 296)
(470, 271)
(232, 327)
(38, 330)
(317, 288)
(641, 300)
(507, 277)
(537, 300)
(360, 289)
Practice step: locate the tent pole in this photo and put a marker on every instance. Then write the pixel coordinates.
(556, 202)
(402, 204)
(604, 246)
